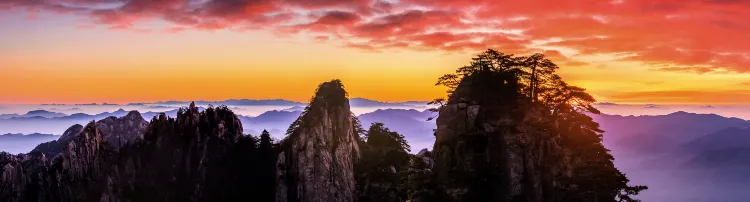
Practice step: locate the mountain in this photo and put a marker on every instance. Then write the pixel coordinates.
(20, 143)
(116, 131)
(631, 138)
(317, 158)
(728, 138)
(682, 151)
(669, 153)
(411, 123)
(33, 113)
(197, 156)
(120, 131)
(714, 152)
(240, 102)
(362, 102)
(56, 124)
(275, 121)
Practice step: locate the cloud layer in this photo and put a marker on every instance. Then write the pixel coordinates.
(698, 36)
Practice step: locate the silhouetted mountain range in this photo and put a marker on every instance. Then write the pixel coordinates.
(363, 102)
(354, 102)
(245, 102)
(54, 125)
(682, 151)
(640, 135)
(705, 146)
(411, 123)
(20, 143)
(34, 113)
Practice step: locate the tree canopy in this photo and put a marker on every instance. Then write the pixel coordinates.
(553, 113)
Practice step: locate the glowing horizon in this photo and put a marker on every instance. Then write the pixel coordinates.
(627, 51)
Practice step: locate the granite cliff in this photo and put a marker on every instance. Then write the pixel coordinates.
(318, 156)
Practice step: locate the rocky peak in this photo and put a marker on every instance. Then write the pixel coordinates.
(84, 155)
(482, 136)
(116, 131)
(318, 156)
(71, 132)
(53, 148)
(222, 121)
(124, 130)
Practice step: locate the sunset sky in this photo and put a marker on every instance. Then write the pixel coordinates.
(120, 51)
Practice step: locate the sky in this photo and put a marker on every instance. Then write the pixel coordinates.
(118, 51)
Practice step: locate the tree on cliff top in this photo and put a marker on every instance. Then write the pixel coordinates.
(553, 113)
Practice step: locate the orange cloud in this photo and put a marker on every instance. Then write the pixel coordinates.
(677, 35)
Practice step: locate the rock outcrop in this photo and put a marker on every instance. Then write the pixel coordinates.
(197, 156)
(482, 150)
(72, 177)
(116, 131)
(124, 130)
(55, 147)
(317, 161)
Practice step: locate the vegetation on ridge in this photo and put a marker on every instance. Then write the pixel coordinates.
(548, 117)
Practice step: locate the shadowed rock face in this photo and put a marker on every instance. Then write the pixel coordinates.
(318, 155)
(124, 130)
(477, 152)
(31, 177)
(116, 131)
(53, 148)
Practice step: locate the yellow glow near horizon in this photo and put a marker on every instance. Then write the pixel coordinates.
(87, 66)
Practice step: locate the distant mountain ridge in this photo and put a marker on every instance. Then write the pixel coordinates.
(660, 133)
(711, 144)
(277, 102)
(354, 102)
(20, 143)
(34, 113)
(59, 122)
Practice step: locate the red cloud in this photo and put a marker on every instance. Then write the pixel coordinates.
(675, 35)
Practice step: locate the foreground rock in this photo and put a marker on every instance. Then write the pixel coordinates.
(317, 162)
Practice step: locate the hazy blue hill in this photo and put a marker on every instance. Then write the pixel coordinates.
(33, 113)
(240, 102)
(44, 113)
(637, 135)
(363, 102)
(682, 151)
(411, 123)
(54, 125)
(275, 102)
(20, 143)
(275, 121)
(728, 138)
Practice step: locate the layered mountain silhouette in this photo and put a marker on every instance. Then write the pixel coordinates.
(414, 126)
(201, 155)
(204, 155)
(53, 125)
(20, 143)
(55, 122)
(33, 113)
